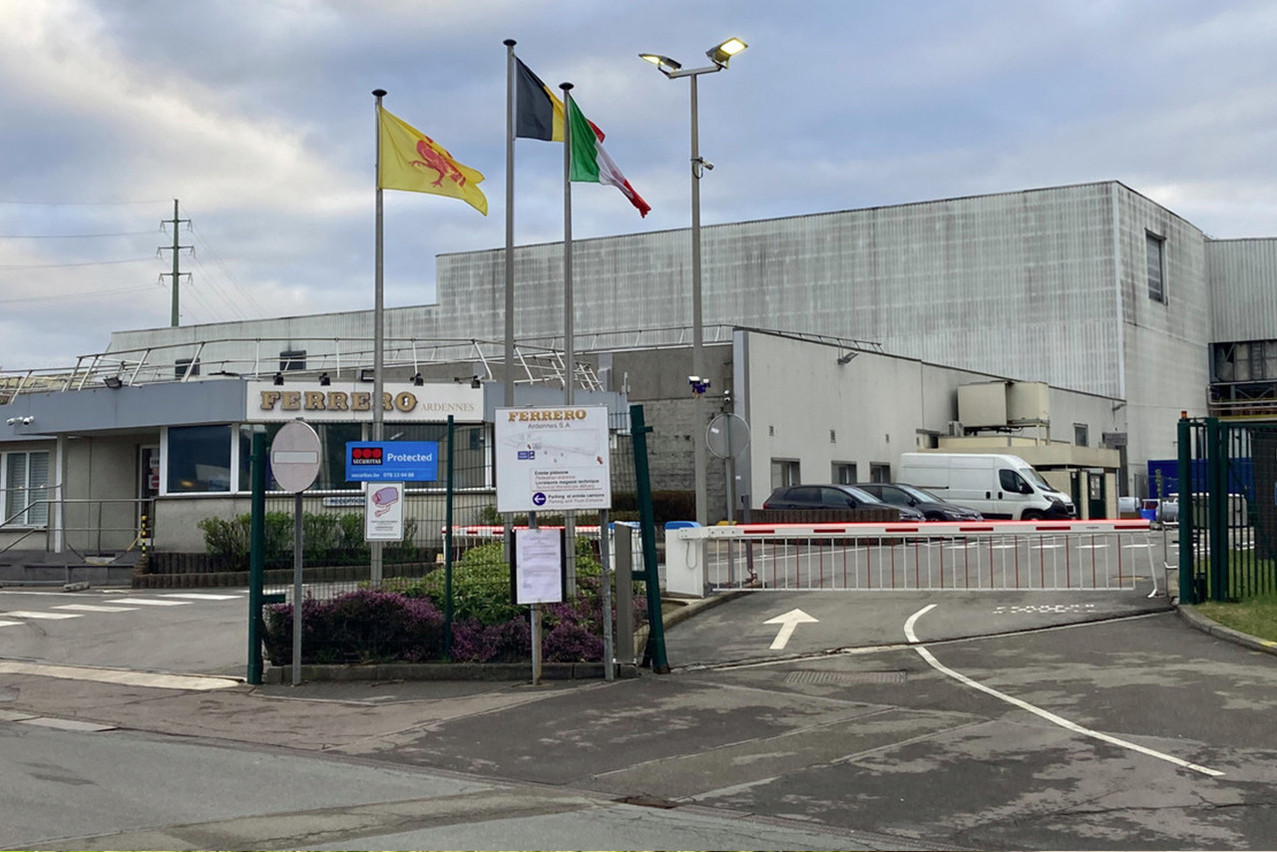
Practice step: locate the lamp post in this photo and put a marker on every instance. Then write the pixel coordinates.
(719, 55)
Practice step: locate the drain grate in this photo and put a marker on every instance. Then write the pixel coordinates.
(845, 678)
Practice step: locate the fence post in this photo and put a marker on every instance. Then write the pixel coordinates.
(1217, 507)
(256, 558)
(1187, 591)
(654, 653)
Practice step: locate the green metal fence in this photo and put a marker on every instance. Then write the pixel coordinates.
(1227, 518)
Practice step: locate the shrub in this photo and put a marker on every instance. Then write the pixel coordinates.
(357, 627)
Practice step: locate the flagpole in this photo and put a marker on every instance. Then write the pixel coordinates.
(509, 223)
(569, 323)
(378, 324)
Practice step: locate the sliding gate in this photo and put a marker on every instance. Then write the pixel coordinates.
(998, 556)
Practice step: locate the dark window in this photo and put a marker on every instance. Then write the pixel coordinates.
(1011, 481)
(844, 473)
(25, 495)
(199, 459)
(1081, 435)
(292, 359)
(1156, 267)
(181, 365)
(879, 473)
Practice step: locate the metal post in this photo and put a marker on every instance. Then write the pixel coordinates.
(624, 593)
(569, 318)
(698, 332)
(655, 651)
(378, 332)
(256, 558)
(297, 588)
(605, 594)
(1187, 591)
(447, 546)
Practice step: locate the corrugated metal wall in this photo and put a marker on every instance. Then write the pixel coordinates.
(1242, 276)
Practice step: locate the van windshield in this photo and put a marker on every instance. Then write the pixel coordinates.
(1036, 478)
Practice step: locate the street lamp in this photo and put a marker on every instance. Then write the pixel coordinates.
(719, 55)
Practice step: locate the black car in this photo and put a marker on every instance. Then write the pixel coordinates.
(833, 497)
(910, 496)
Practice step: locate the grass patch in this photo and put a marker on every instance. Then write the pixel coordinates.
(1256, 616)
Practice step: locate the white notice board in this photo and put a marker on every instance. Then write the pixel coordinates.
(383, 511)
(553, 459)
(540, 568)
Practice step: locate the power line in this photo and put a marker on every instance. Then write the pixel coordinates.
(72, 236)
(80, 203)
(83, 263)
(95, 295)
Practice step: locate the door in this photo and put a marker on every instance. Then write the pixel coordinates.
(1096, 502)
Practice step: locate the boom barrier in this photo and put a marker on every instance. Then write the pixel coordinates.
(930, 556)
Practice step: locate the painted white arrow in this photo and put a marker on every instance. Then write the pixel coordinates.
(788, 622)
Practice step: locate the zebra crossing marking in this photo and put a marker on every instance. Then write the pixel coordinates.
(197, 596)
(48, 616)
(148, 602)
(94, 608)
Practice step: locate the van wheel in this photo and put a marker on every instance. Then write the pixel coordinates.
(1033, 515)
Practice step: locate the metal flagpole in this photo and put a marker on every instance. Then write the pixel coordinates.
(569, 319)
(378, 320)
(509, 222)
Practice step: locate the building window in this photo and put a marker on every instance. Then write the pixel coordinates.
(844, 473)
(1081, 437)
(1156, 267)
(182, 365)
(199, 459)
(292, 359)
(26, 489)
(784, 473)
(879, 472)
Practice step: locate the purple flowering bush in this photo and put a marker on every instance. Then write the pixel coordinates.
(404, 622)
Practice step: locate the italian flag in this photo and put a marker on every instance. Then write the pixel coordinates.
(591, 163)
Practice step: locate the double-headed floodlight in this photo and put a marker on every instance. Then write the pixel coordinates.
(719, 54)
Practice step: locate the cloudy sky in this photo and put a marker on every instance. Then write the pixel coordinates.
(256, 115)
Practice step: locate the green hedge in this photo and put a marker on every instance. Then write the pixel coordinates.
(327, 539)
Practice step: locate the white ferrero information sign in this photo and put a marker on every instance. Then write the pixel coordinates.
(552, 459)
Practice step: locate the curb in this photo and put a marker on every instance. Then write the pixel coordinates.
(1200, 622)
(514, 672)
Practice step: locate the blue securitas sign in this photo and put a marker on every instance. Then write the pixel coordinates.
(392, 461)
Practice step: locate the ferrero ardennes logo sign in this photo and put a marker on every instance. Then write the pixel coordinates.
(351, 402)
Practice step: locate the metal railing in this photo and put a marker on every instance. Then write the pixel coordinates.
(1002, 556)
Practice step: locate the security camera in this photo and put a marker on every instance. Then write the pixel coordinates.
(691, 380)
(27, 421)
(12, 421)
(708, 165)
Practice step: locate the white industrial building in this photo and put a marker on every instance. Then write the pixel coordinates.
(1096, 315)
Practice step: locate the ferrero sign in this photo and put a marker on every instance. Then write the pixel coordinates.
(352, 402)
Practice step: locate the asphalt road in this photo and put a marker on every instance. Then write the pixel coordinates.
(1044, 720)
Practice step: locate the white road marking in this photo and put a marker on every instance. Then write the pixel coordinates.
(68, 724)
(148, 602)
(94, 608)
(1037, 711)
(126, 678)
(48, 616)
(4, 623)
(788, 622)
(195, 596)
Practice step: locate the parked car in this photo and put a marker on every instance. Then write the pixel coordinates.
(932, 507)
(833, 497)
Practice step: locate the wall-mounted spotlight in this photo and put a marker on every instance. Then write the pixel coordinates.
(417, 380)
(113, 382)
(368, 374)
(279, 379)
(476, 382)
(846, 359)
(324, 380)
(699, 385)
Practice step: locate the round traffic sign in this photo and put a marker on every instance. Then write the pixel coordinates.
(727, 435)
(294, 456)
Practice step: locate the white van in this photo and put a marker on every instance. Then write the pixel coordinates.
(998, 486)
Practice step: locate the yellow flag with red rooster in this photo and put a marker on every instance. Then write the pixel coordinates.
(410, 160)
